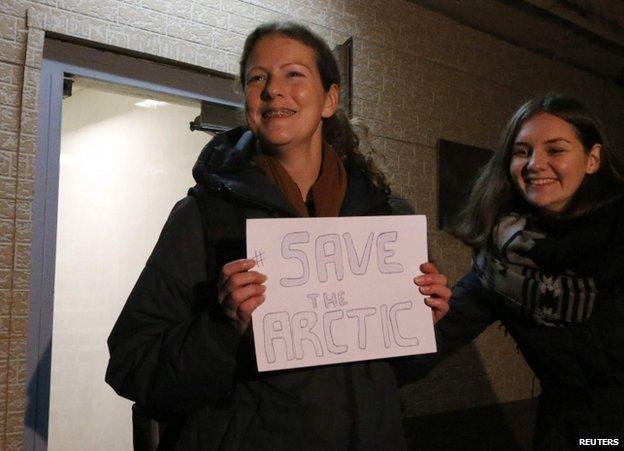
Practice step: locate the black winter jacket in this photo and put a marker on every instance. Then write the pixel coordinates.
(173, 353)
(580, 366)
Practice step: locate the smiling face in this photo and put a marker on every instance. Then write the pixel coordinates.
(284, 97)
(548, 162)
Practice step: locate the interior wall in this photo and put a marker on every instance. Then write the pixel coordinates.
(122, 168)
(418, 76)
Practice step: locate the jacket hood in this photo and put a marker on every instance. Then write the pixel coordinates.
(227, 151)
(225, 165)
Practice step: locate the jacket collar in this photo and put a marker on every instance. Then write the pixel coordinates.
(225, 166)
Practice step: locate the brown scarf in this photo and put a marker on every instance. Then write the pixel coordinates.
(325, 195)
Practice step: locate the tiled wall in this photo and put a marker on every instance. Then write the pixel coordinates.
(417, 77)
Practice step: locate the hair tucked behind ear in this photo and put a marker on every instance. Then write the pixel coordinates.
(337, 130)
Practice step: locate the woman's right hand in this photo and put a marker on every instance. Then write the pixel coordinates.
(240, 292)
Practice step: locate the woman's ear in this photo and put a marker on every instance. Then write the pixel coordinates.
(331, 101)
(593, 159)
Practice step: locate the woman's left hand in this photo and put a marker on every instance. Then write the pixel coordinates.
(433, 284)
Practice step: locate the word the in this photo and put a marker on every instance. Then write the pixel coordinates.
(290, 333)
(330, 299)
(328, 250)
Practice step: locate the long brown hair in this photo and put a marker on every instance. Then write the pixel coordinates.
(494, 193)
(337, 129)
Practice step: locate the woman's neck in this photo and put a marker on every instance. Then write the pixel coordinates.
(302, 163)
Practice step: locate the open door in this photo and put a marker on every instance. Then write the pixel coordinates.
(115, 156)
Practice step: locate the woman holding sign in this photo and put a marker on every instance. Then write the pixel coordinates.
(546, 221)
(182, 347)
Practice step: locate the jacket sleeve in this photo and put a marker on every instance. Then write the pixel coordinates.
(469, 314)
(171, 350)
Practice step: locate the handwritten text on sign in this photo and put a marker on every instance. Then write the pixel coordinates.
(339, 289)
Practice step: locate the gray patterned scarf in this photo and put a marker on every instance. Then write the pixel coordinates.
(545, 298)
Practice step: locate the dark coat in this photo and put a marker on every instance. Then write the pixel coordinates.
(580, 366)
(175, 355)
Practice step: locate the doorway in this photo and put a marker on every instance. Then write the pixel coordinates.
(117, 156)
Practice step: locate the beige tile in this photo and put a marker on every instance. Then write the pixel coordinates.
(22, 256)
(35, 18)
(142, 18)
(16, 395)
(23, 209)
(19, 304)
(241, 8)
(6, 278)
(29, 97)
(16, 8)
(189, 31)
(328, 5)
(7, 209)
(55, 20)
(4, 356)
(26, 166)
(34, 57)
(101, 9)
(16, 372)
(303, 11)
(8, 163)
(216, 59)
(98, 31)
(179, 8)
(19, 326)
(242, 25)
(209, 16)
(23, 232)
(7, 231)
(21, 280)
(228, 41)
(217, 4)
(5, 302)
(14, 426)
(25, 189)
(6, 255)
(341, 22)
(276, 5)
(8, 73)
(180, 50)
(8, 186)
(10, 120)
(17, 352)
(270, 15)
(5, 326)
(13, 441)
(8, 27)
(29, 122)
(28, 144)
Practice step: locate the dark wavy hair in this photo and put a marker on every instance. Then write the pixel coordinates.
(337, 129)
(494, 193)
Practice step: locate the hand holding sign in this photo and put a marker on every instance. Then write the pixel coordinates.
(339, 290)
(433, 284)
(240, 292)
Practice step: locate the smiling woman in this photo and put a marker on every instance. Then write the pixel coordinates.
(546, 222)
(549, 163)
(182, 347)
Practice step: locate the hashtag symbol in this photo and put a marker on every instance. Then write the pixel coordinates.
(259, 258)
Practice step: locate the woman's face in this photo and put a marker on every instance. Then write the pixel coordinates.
(549, 162)
(284, 97)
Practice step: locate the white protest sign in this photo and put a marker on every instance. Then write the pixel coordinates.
(339, 290)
